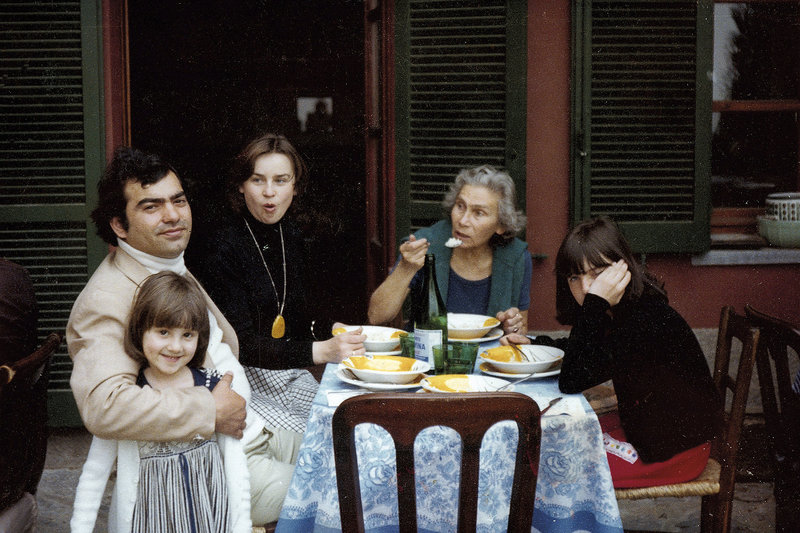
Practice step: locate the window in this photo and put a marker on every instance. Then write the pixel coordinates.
(51, 123)
(656, 144)
(756, 99)
(460, 98)
(640, 120)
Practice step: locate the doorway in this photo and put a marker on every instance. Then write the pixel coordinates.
(206, 77)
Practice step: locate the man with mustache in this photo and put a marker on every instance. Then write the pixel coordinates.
(143, 210)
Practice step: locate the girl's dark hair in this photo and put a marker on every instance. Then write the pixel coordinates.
(599, 242)
(245, 161)
(168, 300)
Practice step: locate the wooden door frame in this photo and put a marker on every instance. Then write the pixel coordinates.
(378, 108)
(379, 139)
(116, 79)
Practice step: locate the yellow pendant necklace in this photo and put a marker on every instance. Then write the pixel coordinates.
(279, 324)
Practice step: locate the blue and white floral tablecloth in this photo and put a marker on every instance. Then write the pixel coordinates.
(573, 492)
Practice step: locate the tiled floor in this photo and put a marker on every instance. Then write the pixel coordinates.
(66, 451)
(753, 511)
(754, 507)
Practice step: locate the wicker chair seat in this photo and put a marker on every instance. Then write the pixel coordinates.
(705, 484)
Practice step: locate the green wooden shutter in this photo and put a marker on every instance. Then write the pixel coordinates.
(642, 119)
(52, 155)
(460, 69)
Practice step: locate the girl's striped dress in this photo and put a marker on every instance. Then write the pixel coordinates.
(181, 485)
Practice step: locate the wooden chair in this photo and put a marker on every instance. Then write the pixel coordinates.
(29, 368)
(404, 416)
(23, 433)
(780, 344)
(716, 483)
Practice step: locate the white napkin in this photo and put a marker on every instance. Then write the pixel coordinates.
(335, 397)
(570, 404)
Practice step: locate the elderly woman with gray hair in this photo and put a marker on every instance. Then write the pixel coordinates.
(488, 273)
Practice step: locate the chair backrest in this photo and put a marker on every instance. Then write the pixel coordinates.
(404, 416)
(29, 368)
(23, 422)
(725, 447)
(780, 341)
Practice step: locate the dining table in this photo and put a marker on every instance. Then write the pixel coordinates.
(574, 491)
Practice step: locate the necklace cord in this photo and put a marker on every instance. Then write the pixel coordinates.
(283, 257)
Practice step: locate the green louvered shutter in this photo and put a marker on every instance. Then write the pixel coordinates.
(52, 155)
(642, 119)
(460, 98)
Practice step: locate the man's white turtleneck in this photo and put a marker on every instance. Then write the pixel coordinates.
(220, 352)
(152, 263)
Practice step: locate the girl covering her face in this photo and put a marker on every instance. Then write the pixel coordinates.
(588, 250)
(623, 330)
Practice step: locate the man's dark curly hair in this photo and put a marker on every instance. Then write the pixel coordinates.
(128, 164)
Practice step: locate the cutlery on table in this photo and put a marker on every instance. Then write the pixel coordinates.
(349, 373)
(530, 357)
(520, 352)
(507, 385)
(549, 405)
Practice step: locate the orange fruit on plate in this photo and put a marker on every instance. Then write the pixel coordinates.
(338, 331)
(397, 334)
(490, 322)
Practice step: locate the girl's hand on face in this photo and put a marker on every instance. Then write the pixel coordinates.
(413, 252)
(610, 284)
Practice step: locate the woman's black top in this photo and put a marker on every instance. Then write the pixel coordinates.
(667, 399)
(232, 272)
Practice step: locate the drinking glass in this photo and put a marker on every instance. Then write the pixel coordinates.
(407, 344)
(458, 359)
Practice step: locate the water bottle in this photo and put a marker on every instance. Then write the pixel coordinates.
(430, 324)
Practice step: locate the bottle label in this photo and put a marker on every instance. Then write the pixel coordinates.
(424, 341)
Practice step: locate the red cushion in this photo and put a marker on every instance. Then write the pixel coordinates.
(682, 467)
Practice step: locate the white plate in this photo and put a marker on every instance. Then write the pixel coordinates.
(396, 352)
(493, 335)
(477, 383)
(343, 373)
(486, 368)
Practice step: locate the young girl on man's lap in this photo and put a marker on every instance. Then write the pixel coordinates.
(202, 485)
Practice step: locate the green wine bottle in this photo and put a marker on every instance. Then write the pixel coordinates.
(430, 324)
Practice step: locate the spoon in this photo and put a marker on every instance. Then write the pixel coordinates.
(349, 373)
(520, 352)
